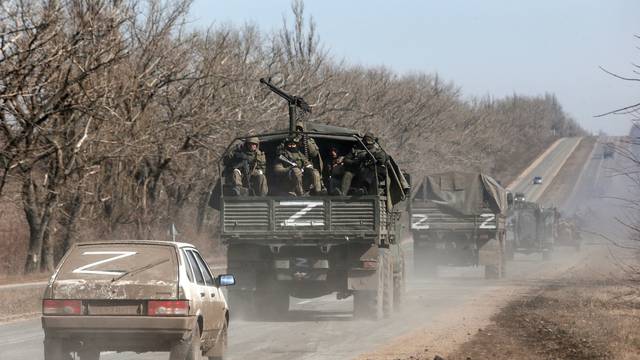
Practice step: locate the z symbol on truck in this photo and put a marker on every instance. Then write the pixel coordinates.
(296, 219)
(419, 221)
(488, 221)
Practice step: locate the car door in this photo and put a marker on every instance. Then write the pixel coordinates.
(202, 296)
(215, 296)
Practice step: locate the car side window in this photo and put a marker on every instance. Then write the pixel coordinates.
(208, 278)
(187, 266)
(196, 269)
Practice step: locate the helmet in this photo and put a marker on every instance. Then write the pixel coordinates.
(252, 140)
(368, 138)
(300, 124)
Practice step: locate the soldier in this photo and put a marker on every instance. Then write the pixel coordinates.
(359, 164)
(308, 146)
(333, 171)
(245, 168)
(294, 165)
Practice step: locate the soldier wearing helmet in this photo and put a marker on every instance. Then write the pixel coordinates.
(364, 165)
(295, 167)
(245, 168)
(308, 146)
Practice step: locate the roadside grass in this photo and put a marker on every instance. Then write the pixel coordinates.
(19, 303)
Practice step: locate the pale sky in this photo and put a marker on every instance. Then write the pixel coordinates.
(486, 47)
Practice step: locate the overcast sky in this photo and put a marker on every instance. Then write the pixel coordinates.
(488, 47)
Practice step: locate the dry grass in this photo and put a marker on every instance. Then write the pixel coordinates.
(20, 303)
(581, 317)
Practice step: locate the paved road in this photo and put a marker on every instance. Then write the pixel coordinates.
(548, 168)
(323, 329)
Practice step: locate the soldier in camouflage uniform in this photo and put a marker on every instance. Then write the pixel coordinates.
(359, 165)
(245, 168)
(333, 171)
(296, 167)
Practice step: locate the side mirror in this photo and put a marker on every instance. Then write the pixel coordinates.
(225, 280)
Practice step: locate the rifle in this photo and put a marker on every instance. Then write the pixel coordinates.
(285, 160)
(294, 101)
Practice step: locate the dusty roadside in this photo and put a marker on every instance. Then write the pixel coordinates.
(592, 312)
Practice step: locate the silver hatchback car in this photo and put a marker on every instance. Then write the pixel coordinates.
(135, 296)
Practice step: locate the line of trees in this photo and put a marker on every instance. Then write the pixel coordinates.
(113, 114)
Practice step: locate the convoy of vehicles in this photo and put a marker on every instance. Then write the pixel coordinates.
(135, 296)
(162, 296)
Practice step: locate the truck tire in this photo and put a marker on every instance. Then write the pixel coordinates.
(491, 272)
(241, 304)
(399, 285)
(53, 350)
(272, 301)
(388, 286)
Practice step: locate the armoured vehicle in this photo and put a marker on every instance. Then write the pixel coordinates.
(281, 245)
(458, 219)
(135, 296)
(531, 229)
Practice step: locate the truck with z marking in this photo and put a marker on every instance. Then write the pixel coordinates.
(282, 245)
(458, 219)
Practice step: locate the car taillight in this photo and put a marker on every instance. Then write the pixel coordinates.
(61, 307)
(168, 307)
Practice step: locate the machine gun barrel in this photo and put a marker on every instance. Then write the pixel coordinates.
(294, 101)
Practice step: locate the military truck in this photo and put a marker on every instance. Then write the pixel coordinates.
(458, 219)
(531, 229)
(609, 150)
(281, 245)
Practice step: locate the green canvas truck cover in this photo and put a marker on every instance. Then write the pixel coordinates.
(462, 192)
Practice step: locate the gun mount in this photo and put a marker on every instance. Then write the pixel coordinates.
(293, 101)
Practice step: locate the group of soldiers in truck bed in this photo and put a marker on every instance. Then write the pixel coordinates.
(299, 167)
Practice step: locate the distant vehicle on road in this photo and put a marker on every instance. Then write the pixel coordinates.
(519, 197)
(537, 180)
(609, 150)
(135, 296)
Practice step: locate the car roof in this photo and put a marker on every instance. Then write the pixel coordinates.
(137, 242)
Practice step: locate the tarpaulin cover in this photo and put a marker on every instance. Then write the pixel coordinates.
(463, 193)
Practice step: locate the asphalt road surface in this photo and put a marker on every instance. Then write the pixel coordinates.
(323, 328)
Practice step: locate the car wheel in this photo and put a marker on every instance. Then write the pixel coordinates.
(53, 350)
(222, 342)
(190, 350)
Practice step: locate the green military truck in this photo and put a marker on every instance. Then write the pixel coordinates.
(281, 245)
(458, 219)
(531, 229)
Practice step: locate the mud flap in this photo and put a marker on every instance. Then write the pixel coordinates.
(492, 256)
(365, 279)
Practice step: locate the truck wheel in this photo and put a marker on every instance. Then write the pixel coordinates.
(388, 286)
(491, 272)
(272, 302)
(241, 304)
(399, 284)
(53, 350)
